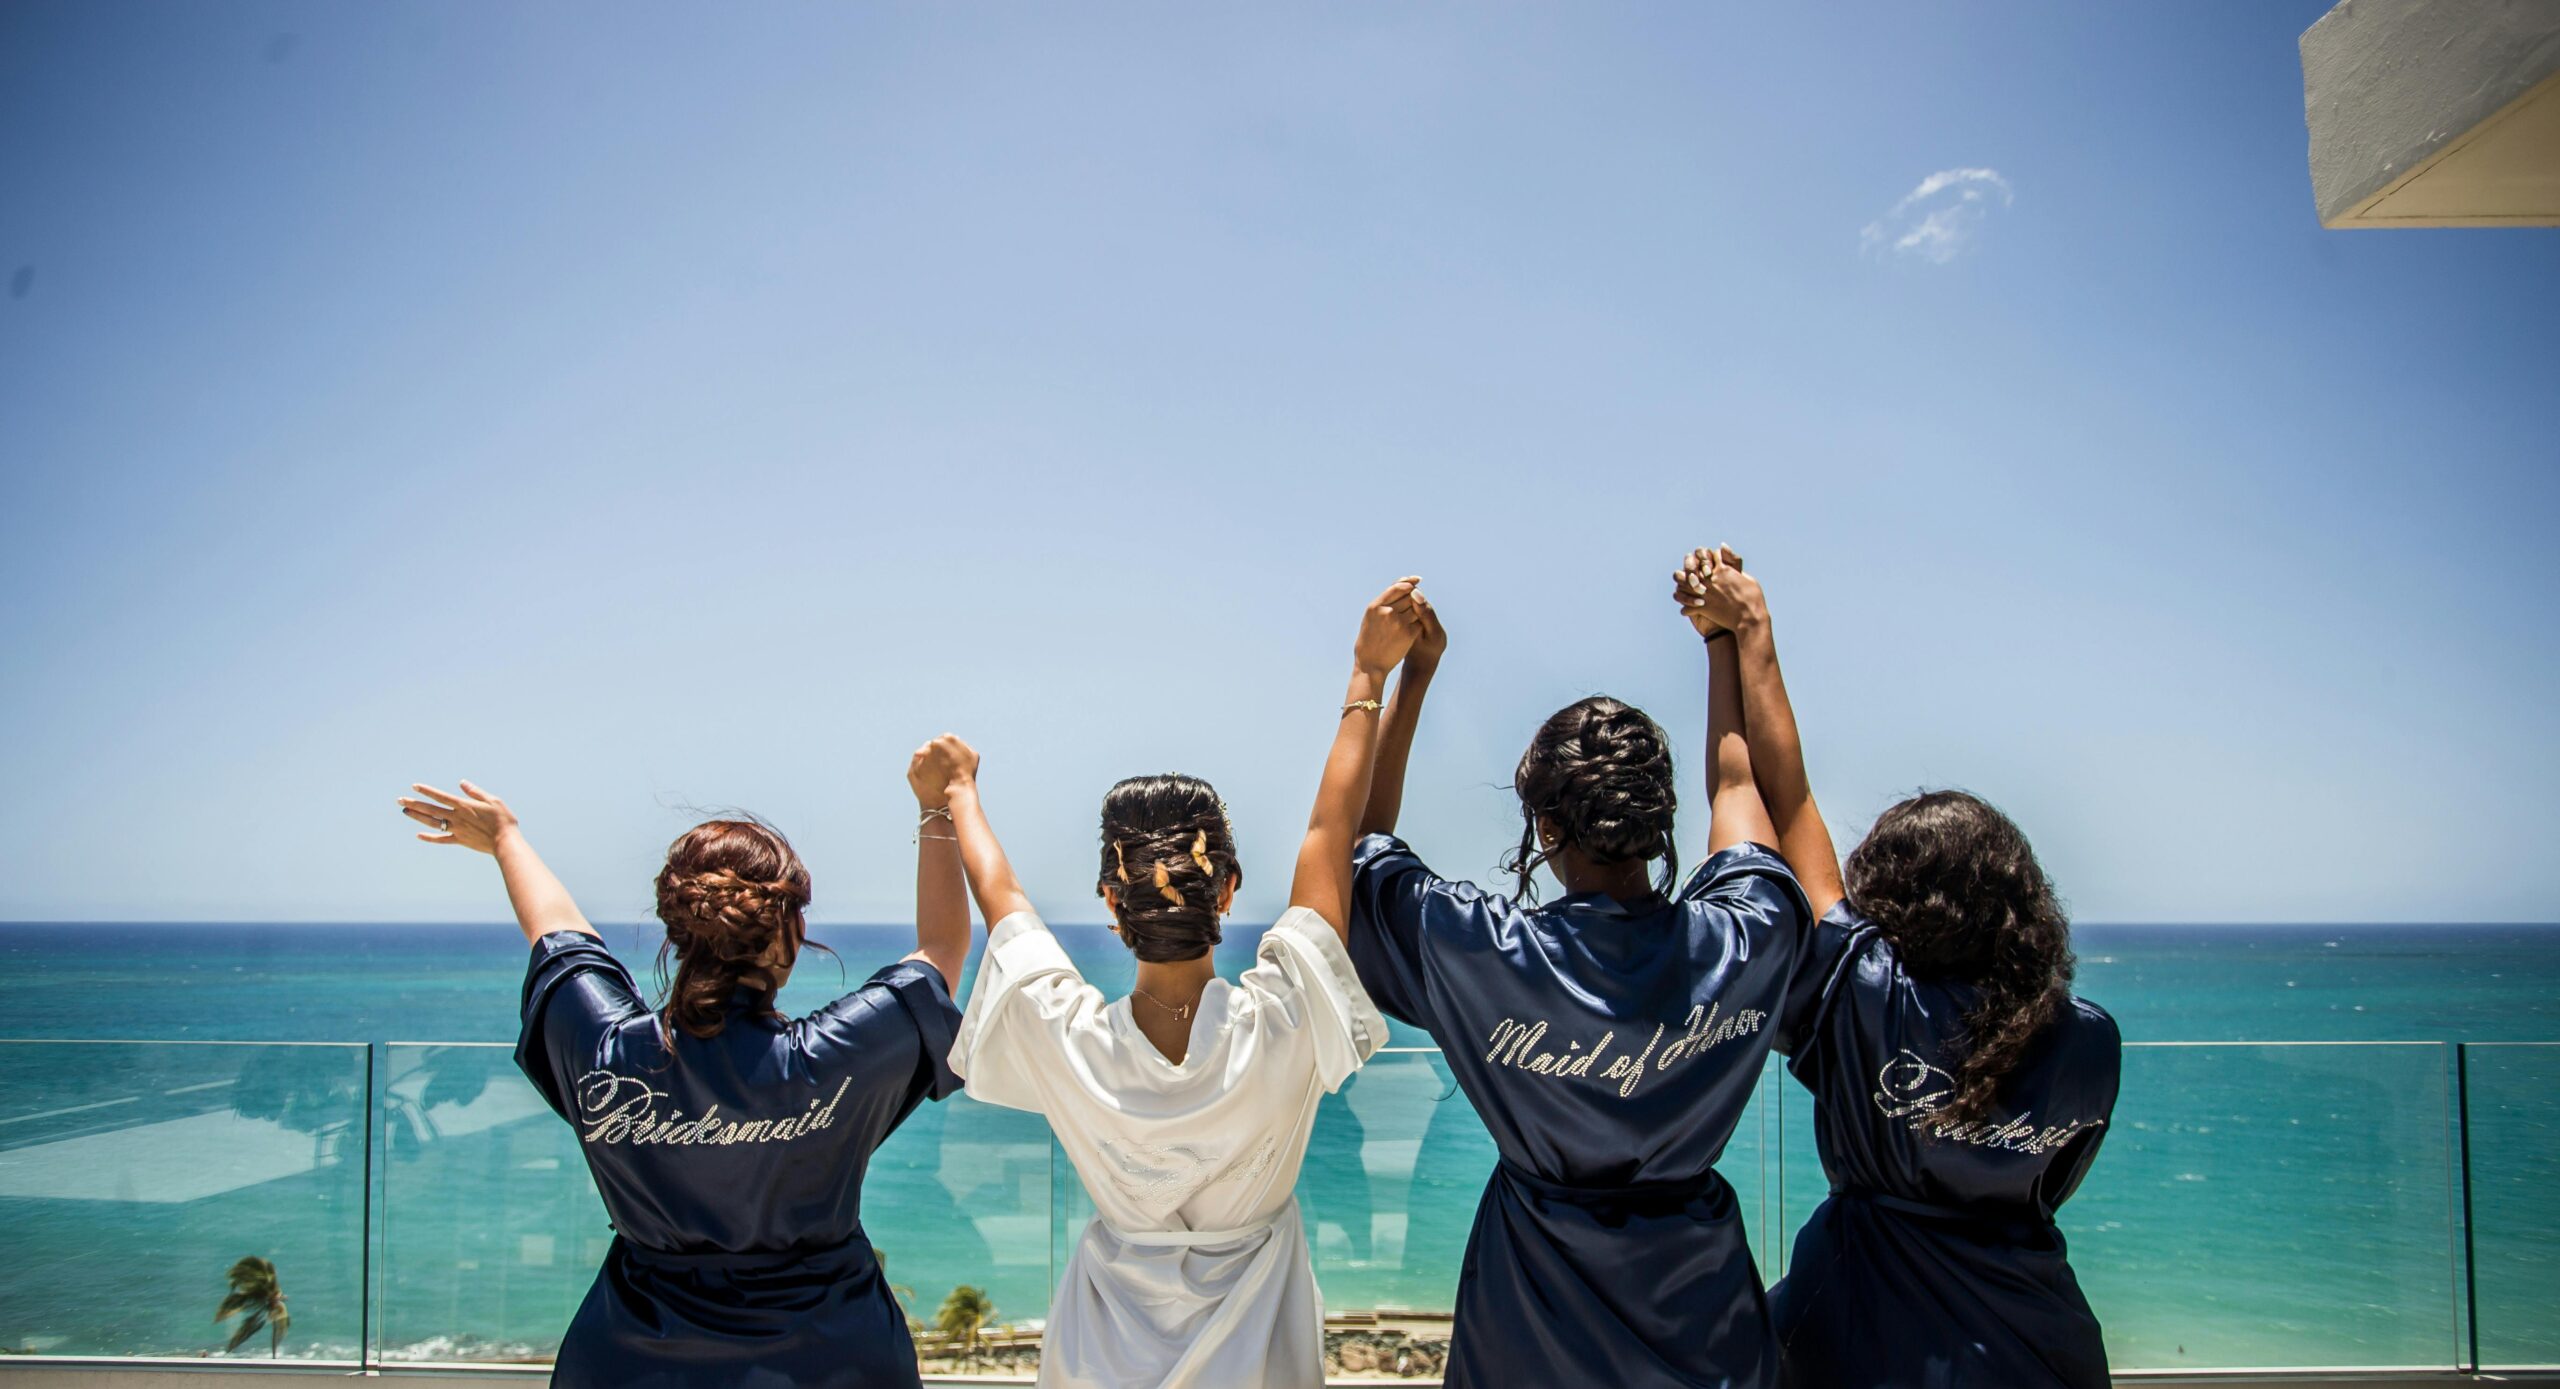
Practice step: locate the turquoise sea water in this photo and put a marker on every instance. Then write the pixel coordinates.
(2259, 1201)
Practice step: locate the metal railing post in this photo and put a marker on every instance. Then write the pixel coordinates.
(2470, 1231)
(364, 1256)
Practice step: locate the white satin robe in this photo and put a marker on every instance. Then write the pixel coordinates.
(1193, 1273)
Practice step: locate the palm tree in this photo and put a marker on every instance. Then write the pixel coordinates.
(256, 1295)
(964, 1314)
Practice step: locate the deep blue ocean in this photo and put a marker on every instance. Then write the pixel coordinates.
(2260, 1200)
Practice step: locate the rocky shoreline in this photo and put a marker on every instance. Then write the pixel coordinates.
(1354, 1347)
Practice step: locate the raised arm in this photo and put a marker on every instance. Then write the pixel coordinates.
(1716, 586)
(1322, 883)
(1735, 812)
(953, 765)
(1404, 714)
(477, 820)
(942, 889)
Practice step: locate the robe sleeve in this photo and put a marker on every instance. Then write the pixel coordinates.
(1818, 978)
(575, 992)
(1013, 1033)
(1304, 978)
(1757, 894)
(1398, 909)
(908, 996)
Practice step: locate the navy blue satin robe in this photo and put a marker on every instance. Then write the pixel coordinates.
(732, 1170)
(1610, 1049)
(1934, 1263)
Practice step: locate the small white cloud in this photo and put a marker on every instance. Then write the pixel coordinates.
(1937, 220)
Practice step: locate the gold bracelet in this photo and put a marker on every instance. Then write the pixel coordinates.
(1371, 705)
(921, 837)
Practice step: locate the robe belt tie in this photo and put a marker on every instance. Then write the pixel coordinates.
(1193, 1239)
(854, 1252)
(1665, 1193)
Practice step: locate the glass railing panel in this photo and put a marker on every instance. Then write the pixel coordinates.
(491, 1229)
(2231, 1171)
(135, 1175)
(962, 1194)
(2262, 1205)
(2256, 1205)
(2514, 1123)
(1394, 1169)
(1796, 1168)
(1749, 1164)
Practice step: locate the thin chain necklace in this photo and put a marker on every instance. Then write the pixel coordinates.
(1181, 1014)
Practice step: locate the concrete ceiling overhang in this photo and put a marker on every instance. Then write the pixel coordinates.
(2435, 113)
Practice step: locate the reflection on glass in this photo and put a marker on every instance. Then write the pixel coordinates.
(2255, 1205)
(492, 1231)
(961, 1194)
(133, 1175)
(2515, 1200)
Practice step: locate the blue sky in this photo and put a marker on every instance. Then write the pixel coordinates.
(640, 409)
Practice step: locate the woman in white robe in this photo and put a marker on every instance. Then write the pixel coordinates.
(1186, 1105)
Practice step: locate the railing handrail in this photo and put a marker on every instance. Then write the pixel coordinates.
(207, 1042)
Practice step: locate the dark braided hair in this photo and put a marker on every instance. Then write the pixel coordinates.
(1599, 771)
(1169, 859)
(1955, 886)
(733, 897)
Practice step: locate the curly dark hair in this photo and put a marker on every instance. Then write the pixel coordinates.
(1168, 858)
(733, 897)
(1955, 886)
(1599, 771)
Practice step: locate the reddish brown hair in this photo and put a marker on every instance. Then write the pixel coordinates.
(732, 897)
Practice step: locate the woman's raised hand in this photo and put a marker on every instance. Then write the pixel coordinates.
(1431, 642)
(1714, 593)
(475, 819)
(1389, 627)
(939, 766)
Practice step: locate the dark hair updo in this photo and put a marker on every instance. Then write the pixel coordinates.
(1599, 770)
(1169, 858)
(1955, 886)
(732, 897)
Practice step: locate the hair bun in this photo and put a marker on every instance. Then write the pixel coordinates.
(1168, 863)
(733, 916)
(733, 897)
(1599, 771)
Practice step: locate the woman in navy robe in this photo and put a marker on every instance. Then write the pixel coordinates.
(1960, 1090)
(728, 1142)
(1609, 1040)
